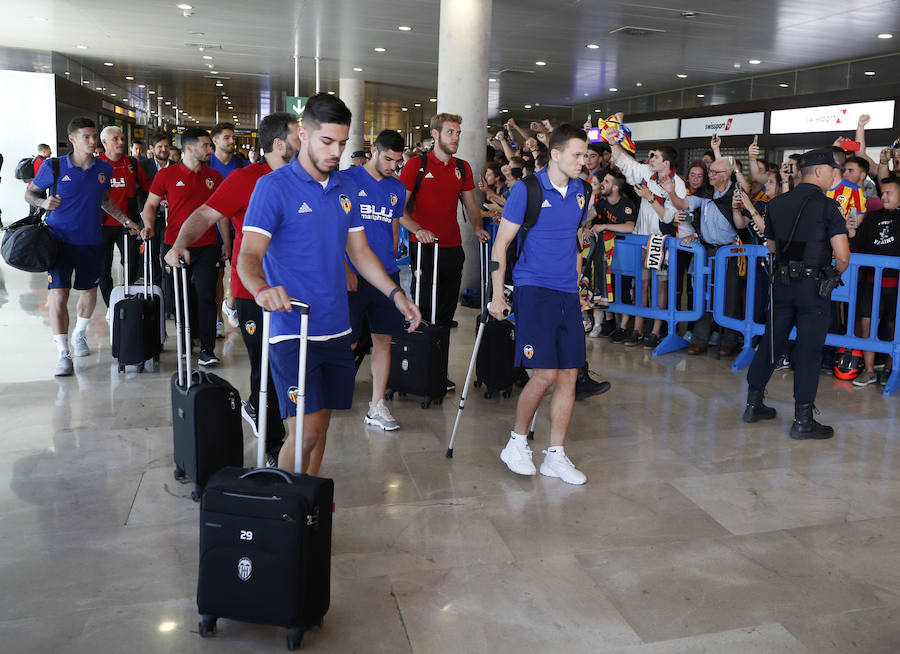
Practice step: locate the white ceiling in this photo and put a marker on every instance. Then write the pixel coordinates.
(252, 45)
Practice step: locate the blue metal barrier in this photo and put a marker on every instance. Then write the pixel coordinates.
(846, 293)
(628, 261)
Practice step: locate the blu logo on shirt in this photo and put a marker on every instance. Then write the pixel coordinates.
(371, 212)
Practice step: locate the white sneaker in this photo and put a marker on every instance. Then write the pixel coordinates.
(557, 464)
(64, 367)
(230, 314)
(595, 332)
(380, 416)
(79, 345)
(220, 329)
(517, 456)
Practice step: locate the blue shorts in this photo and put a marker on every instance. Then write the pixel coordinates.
(367, 301)
(549, 331)
(330, 374)
(85, 260)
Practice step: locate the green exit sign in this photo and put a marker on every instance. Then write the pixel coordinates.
(296, 104)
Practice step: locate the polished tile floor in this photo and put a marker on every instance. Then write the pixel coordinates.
(695, 532)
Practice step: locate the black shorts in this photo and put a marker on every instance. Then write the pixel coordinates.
(86, 261)
(888, 308)
(367, 301)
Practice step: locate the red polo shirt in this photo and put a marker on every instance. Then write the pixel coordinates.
(185, 190)
(123, 186)
(436, 202)
(231, 199)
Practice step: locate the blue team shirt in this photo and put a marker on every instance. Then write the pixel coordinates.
(79, 218)
(380, 203)
(223, 170)
(550, 256)
(307, 226)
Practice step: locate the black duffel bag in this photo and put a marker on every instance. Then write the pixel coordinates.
(28, 245)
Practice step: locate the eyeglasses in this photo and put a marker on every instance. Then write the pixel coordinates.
(712, 171)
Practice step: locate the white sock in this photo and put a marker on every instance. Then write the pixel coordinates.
(517, 437)
(556, 449)
(62, 344)
(80, 326)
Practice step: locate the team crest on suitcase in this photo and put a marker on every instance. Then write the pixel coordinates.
(250, 327)
(580, 198)
(346, 205)
(244, 568)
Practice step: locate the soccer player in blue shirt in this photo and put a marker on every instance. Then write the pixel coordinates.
(301, 220)
(381, 198)
(549, 331)
(75, 216)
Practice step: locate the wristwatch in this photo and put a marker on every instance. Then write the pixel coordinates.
(127, 222)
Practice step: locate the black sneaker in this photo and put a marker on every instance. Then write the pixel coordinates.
(451, 385)
(272, 457)
(586, 386)
(608, 328)
(634, 339)
(207, 357)
(783, 364)
(883, 376)
(453, 325)
(651, 341)
(248, 413)
(618, 335)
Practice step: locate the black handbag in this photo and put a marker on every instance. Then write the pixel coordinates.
(28, 245)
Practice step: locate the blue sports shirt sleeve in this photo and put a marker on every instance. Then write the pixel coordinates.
(514, 209)
(44, 178)
(264, 214)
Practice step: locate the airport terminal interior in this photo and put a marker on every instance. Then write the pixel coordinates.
(695, 533)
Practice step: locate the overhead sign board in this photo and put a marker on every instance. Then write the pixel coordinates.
(654, 130)
(296, 104)
(832, 118)
(725, 125)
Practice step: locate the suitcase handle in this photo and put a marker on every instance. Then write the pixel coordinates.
(268, 471)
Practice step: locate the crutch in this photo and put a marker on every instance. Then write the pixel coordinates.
(486, 269)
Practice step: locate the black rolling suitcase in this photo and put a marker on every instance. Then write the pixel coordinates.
(494, 365)
(138, 330)
(419, 358)
(265, 533)
(206, 409)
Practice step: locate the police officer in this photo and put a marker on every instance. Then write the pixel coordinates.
(804, 229)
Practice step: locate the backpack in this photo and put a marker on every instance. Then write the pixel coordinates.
(460, 166)
(534, 198)
(25, 169)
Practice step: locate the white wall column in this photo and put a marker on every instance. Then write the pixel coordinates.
(353, 93)
(463, 56)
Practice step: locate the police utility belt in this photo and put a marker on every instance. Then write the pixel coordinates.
(828, 278)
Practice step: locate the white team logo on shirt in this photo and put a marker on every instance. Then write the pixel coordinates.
(393, 199)
(304, 208)
(179, 183)
(430, 176)
(545, 204)
(363, 194)
(66, 179)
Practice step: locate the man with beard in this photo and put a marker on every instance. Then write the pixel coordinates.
(279, 141)
(439, 181)
(301, 220)
(186, 186)
(159, 159)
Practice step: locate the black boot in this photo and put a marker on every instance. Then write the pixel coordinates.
(806, 427)
(586, 386)
(756, 410)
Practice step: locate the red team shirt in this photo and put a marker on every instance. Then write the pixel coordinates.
(185, 190)
(123, 186)
(438, 196)
(231, 199)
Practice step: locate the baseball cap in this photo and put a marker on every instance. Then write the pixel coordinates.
(819, 157)
(358, 153)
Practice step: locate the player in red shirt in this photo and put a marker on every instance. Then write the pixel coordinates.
(127, 176)
(444, 183)
(280, 142)
(187, 186)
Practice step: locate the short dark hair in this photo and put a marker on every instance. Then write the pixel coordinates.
(160, 136)
(668, 153)
(274, 126)
(859, 161)
(517, 173)
(175, 148)
(893, 179)
(138, 142)
(218, 128)
(560, 136)
(390, 139)
(710, 154)
(192, 135)
(79, 122)
(542, 160)
(494, 167)
(323, 108)
(618, 180)
(839, 155)
(517, 162)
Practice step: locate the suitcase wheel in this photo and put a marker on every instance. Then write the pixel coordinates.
(425, 403)
(507, 393)
(476, 383)
(179, 474)
(488, 395)
(207, 626)
(196, 493)
(121, 367)
(141, 367)
(156, 360)
(295, 639)
(389, 395)
(402, 395)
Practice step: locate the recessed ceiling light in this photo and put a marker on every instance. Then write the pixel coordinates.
(870, 73)
(81, 47)
(737, 64)
(688, 14)
(418, 104)
(404, 28)
(207, 57)
(403, 109)
(113, 94)
(783, 85)
(680, 75)
(210, 66)
(234, 116)
(331, 93)
(99, 88)
(152, 92)
(527, 106)
(129, 78)
(108, 63)
(596, 111)
(213, 72)
(492, 79)
(540, 63)
(168, 103)
(358, 70)
(504, 111)
(586, 94)
(885, 35)
(432, 99)
(638, 83)
(613, 89)
(219, 84)
(592, 46)
(380, 50)
(224, 97)
(701, 95)
(67, 73)
(40, 19)
(184, 7)
(754, 62)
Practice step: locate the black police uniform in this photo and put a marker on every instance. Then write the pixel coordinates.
(801, 252)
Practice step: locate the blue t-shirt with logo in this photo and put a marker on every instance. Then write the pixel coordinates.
(550, 256)
(79, 217)
(223, 169)
(307, 226)
(380, 203)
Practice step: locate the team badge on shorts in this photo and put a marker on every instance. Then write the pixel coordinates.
(393, 199)
(101, 178)
(293, 394)
(250, 327)
(580, 198)
(49, 279)
(528, 351)
(346, 205)
(210, 183)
